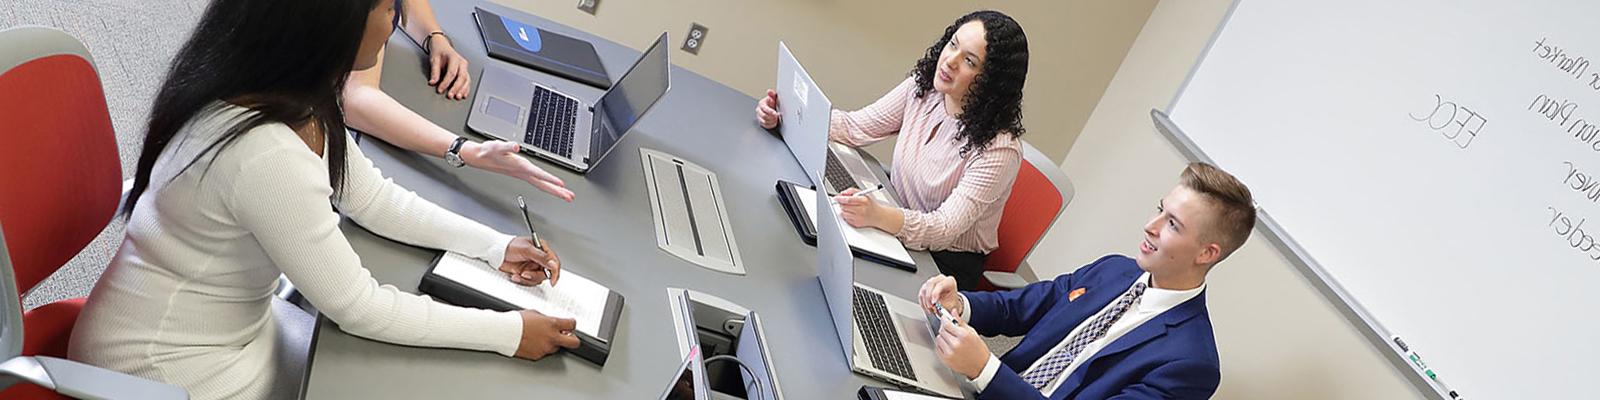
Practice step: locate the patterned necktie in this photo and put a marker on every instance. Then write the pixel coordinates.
(1061, 359)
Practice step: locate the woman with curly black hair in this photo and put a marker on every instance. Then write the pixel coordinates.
(959, 116)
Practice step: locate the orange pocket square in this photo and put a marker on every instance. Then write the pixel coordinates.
(1073, 295)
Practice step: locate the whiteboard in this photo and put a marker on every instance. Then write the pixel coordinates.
(1438, 162)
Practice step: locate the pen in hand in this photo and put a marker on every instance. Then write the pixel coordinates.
(552, 274)
(858, 194)
(866, 192)
(533, 234)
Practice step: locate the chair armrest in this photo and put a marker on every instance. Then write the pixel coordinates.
(84, 381)
(1005, 280)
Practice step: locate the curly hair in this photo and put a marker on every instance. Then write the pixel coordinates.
(993, 104)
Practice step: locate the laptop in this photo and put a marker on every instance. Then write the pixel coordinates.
(559, 127)
(804, 126)
(884, 337)
(760, 383)
(523, 43)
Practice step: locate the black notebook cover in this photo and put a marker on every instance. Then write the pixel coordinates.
(880, 393)
(524, 44)
(795, 209)
(592, 348)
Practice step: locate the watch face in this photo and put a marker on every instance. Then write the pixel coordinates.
(452, 156)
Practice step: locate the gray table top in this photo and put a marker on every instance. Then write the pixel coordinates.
(606, 235)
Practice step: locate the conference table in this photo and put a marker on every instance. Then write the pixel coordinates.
(606, 235)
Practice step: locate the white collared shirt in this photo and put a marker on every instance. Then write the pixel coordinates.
(1153, 302)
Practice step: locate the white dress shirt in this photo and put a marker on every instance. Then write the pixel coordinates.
(1153, 302)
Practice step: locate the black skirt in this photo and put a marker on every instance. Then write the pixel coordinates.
(966, 267)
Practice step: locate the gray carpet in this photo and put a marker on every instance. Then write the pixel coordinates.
(132, 41)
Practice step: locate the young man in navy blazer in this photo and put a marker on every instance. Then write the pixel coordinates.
(1117, 328)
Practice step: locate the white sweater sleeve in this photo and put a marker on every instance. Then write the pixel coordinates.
(377, 203)
(281, 195)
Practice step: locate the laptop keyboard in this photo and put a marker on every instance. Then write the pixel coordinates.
(877, 330)
(837, 175)
(551, 121)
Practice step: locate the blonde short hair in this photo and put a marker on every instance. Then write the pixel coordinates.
(1230, 201)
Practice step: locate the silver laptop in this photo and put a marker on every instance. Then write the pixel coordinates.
(559, 127)
(804, 126)
(883, 336)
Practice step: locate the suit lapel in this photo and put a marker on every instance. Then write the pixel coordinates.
(1150, 330)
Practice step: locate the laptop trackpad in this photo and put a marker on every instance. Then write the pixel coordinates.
(503, 110)
(917, 334)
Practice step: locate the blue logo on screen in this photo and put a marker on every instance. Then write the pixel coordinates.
(526, 35)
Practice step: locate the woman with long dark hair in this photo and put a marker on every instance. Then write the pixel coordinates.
(246, 149)
(959, 116)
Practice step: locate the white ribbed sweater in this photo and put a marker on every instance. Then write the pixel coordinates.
(186, 300)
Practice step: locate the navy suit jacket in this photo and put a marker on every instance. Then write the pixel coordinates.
(1172, 356)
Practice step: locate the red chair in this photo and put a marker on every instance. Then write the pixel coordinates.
(60, 184)
(1038, 196)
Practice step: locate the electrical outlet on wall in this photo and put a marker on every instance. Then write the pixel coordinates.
(588, 6)
(696, 38)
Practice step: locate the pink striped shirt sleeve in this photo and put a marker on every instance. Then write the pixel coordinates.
(876, 121)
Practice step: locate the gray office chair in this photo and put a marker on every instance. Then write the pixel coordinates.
(55, 204)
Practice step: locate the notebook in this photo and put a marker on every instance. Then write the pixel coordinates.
(470, 282)
(869, 243)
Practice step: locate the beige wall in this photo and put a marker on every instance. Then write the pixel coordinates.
(1279, 338)
(857, 50)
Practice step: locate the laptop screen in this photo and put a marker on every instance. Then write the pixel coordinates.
(836, 269)
(621, 106)
(805, 114)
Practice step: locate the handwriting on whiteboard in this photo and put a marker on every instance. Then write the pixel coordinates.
(1455, 122)
(1563, 113)
(1576, 66)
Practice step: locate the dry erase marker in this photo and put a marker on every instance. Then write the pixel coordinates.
(537, 244)
(866, 192)
(1416, 359)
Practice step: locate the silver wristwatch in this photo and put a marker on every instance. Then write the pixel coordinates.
(453, 155)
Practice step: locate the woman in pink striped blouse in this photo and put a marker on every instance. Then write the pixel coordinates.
(959, 116)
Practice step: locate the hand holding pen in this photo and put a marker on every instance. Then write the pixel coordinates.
(859, 210)
(530, 260)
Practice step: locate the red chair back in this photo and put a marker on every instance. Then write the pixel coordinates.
(1036, 200)
(60, 178)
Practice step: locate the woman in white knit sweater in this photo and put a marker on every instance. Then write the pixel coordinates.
(245, 150)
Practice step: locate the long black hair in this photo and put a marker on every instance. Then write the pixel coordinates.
(993, 105)
(284, 60)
